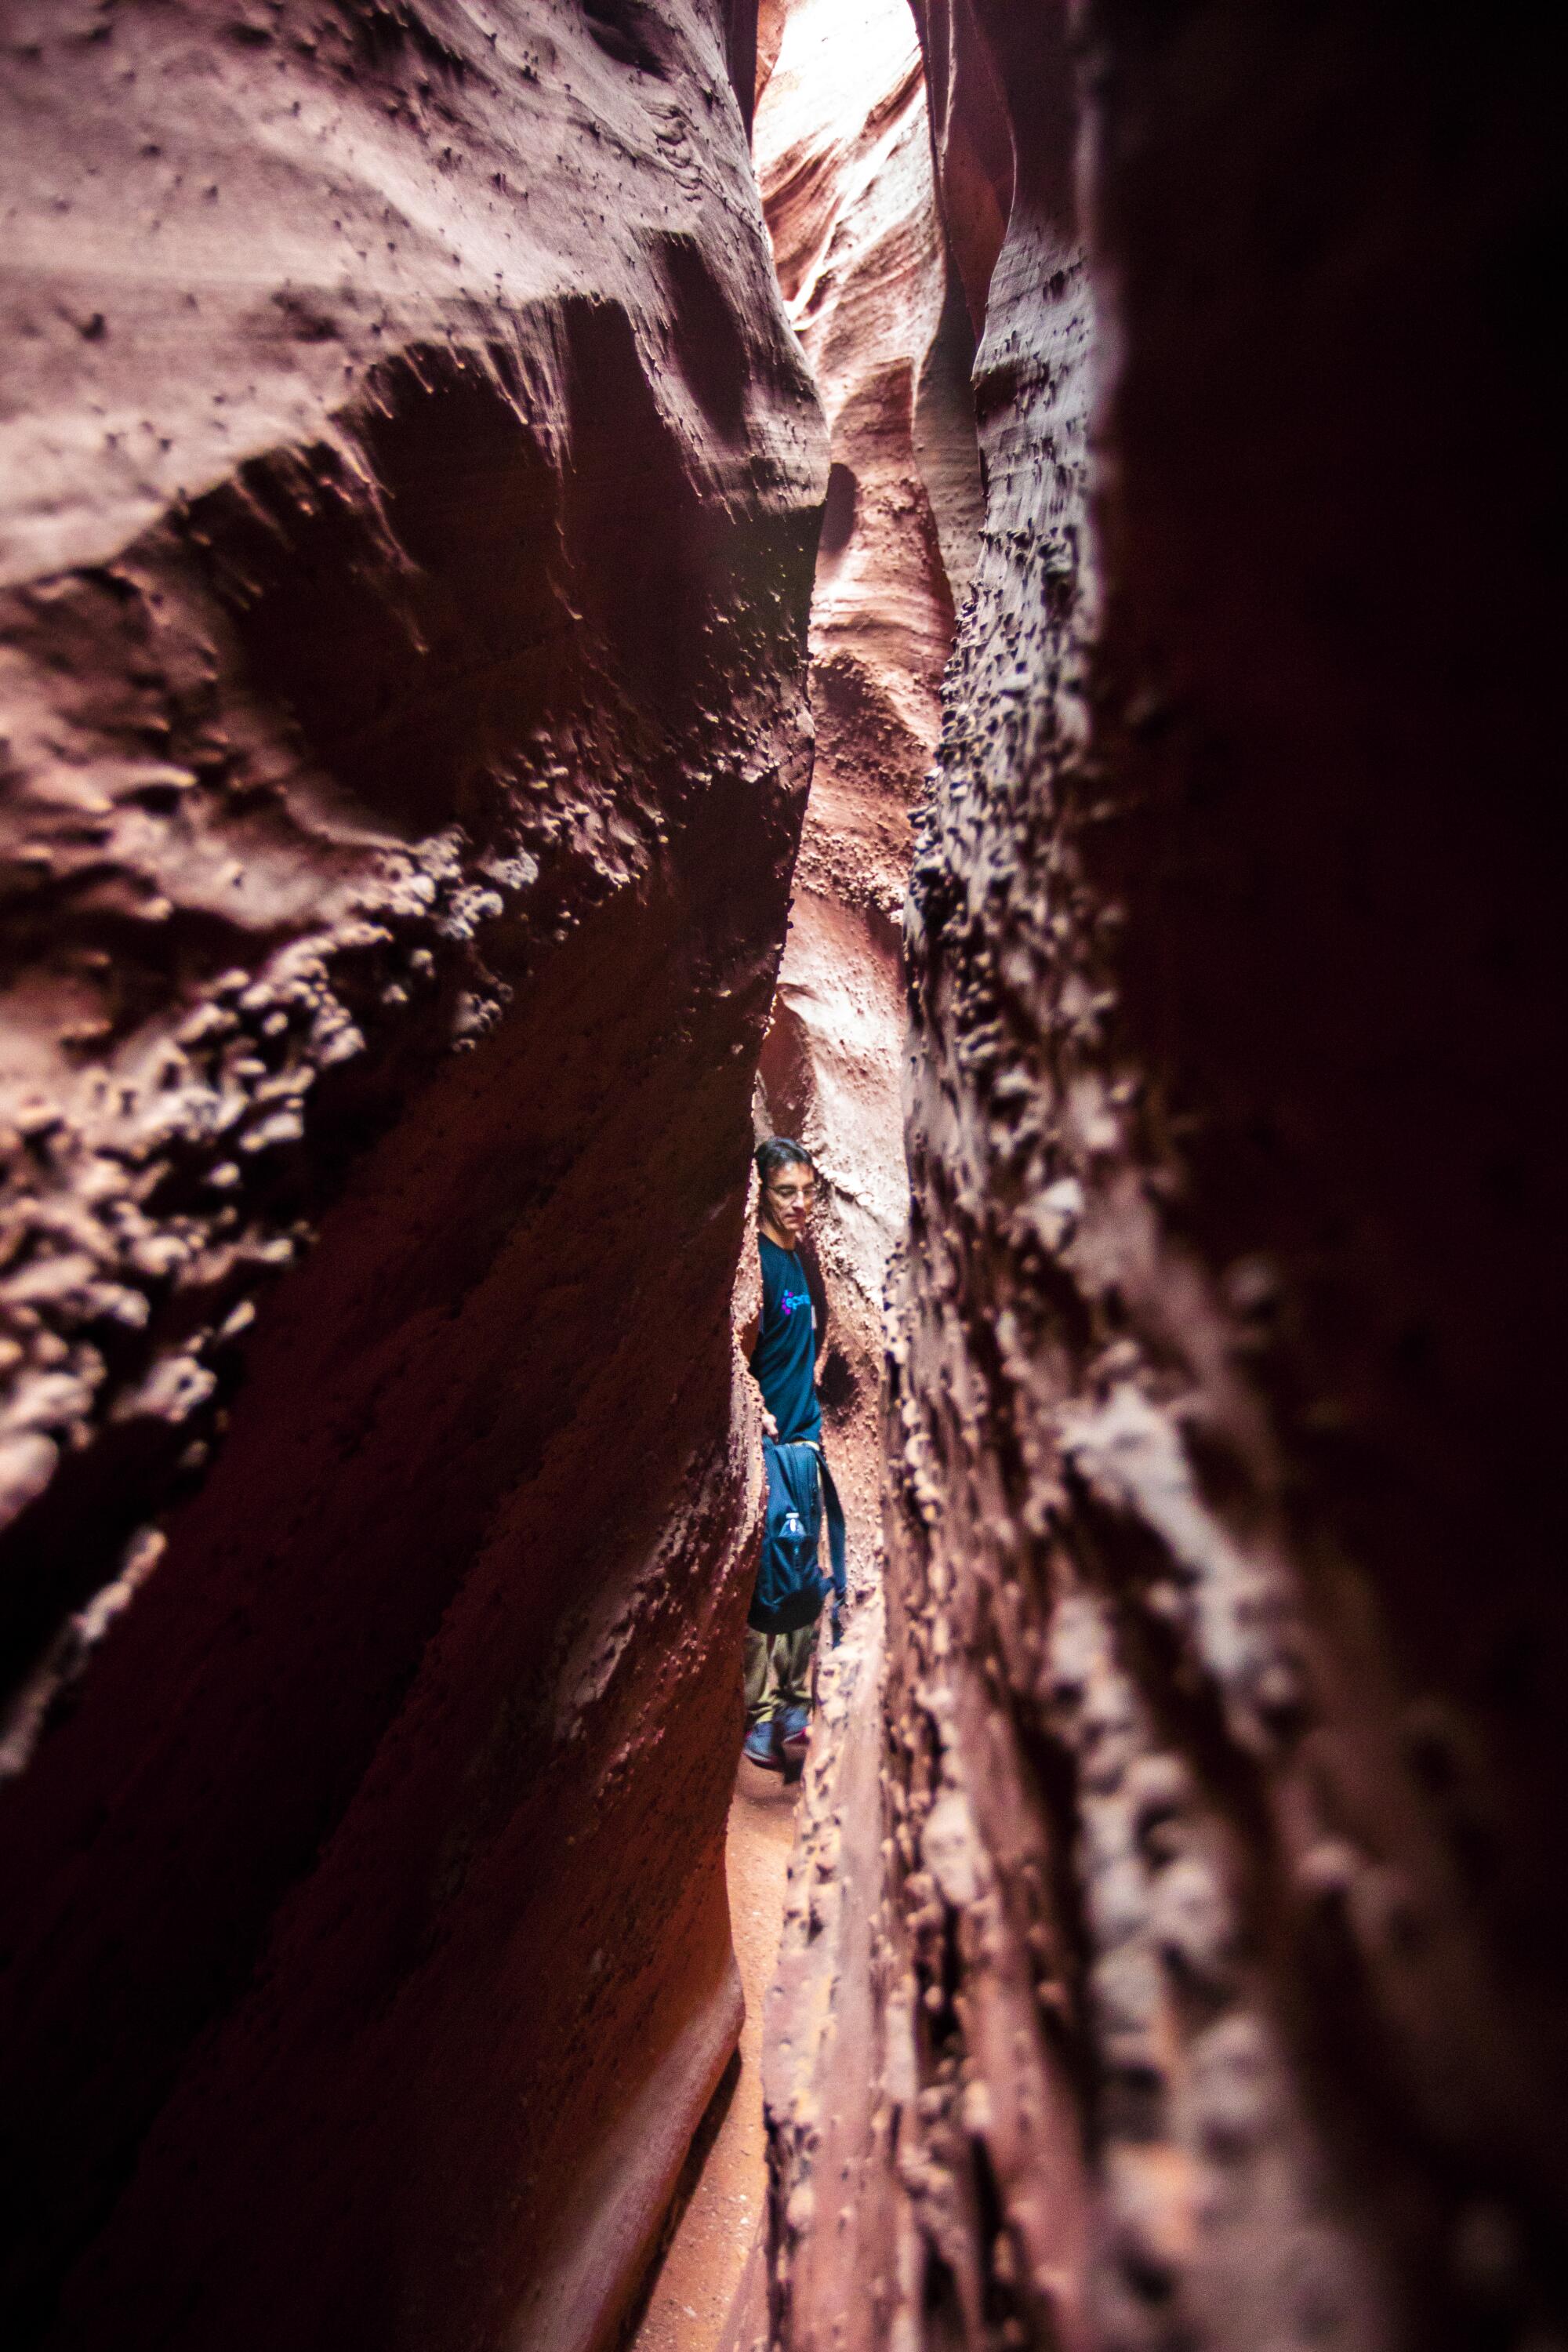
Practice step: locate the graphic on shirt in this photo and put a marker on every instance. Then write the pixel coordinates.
(783, 1361)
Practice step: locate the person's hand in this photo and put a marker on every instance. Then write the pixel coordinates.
(770, 1426)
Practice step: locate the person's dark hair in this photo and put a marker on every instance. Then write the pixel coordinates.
(778, 1153)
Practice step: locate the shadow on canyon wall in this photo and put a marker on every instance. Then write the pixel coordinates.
(406, 548)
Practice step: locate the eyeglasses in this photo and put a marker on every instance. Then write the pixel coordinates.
(806, 1193)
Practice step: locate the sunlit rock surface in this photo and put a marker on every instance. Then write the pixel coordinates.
(1212, 1996)
(844, 159)
(408, 494)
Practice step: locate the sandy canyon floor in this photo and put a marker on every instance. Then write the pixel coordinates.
(701, 2274)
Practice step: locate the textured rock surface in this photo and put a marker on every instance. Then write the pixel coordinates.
(844, 161)
(1215, 1993)
(409, 499)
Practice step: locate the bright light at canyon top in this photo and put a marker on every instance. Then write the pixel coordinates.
(831, 61)
(856, 42)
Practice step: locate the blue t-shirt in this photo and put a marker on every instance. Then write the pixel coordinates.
(784, 1358)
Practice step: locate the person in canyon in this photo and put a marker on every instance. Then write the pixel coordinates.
(785, 1342)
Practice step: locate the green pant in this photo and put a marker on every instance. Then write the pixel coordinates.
(778, 1672)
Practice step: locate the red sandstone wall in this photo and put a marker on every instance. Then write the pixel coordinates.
(407, 497)
(1215, 1991)
(843, 157)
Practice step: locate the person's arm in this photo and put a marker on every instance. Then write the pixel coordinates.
(821, 1313)
(749, 1331)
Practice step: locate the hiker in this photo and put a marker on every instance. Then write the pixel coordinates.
(783, 1343)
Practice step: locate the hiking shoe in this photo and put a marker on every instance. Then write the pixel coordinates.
(762, 1748)
(794, 1727)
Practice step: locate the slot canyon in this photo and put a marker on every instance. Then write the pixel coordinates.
(972, 583)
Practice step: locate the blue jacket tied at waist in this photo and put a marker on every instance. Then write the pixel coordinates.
(790, 1583)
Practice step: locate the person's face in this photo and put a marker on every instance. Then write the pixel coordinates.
(790, 1196)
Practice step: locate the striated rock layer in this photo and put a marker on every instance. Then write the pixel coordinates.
(408, 490)
(1213, 1997)
(844, 160)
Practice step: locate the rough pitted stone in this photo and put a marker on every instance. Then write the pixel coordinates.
(1214, 1998)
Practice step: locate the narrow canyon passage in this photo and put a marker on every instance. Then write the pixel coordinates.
(842, 148)
(974, 582)
(718, 2229)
